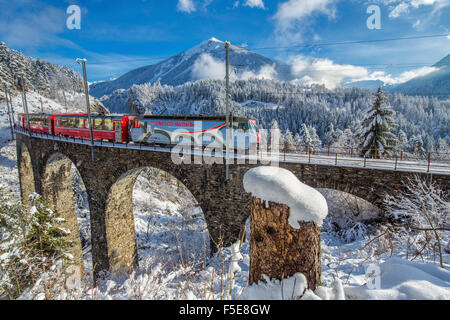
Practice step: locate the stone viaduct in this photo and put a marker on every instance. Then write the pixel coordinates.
(45, 165)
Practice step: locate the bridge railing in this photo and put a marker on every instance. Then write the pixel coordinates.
(394, 158)
(327, 155)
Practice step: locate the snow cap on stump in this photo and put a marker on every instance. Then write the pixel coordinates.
(281, 186)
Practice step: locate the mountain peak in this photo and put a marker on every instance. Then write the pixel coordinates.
(445, 62)
(179, 69)
(213, 39)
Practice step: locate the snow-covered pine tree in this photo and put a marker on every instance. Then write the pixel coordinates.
(428, 142)
(376, 128)
(417, 145)
(403, 142)
(288, 140)
(442, 146)
(34, 243)
(288, 137)
(306, 139)
(330, 136)
(316, 143)
(276, 138)
(345, 140)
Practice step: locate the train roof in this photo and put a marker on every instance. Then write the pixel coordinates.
(163, 117)
(190, 117)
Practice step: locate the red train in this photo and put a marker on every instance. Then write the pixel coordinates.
(110, 128)
(143, 129)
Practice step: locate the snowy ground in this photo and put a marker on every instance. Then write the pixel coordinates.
(174, 262)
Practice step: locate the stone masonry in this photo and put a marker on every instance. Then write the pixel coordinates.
(225, 204)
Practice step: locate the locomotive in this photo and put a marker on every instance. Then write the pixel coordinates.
(145, 129)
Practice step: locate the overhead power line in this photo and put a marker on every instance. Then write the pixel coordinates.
(282, 47)
(350, 42)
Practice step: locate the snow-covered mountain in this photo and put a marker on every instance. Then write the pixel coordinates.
(39, 75)
(45, 80)
(436, 83)
(187, 66)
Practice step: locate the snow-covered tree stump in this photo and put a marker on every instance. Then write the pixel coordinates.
(285, 226)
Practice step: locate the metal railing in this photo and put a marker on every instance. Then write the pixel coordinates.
(432, 162)
(394, 159)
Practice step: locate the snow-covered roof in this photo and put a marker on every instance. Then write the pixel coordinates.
(282, 186)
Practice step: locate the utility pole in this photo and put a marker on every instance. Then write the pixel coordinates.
(42, 106)
(25, 105)
(12, 107)
(9, 112)
(88, 105)
(64, 95)
(229, 116)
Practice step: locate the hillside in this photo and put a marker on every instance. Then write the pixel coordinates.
(436, 83)
(289, 104)
(43, 79)
(196, 63)
(40, 76)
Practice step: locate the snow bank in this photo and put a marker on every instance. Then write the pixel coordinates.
(403, 279)
(282, 186)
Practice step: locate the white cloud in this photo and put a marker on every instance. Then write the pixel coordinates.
(403, 7)
(401, 78)
(206, 67)
(186, 6)
(306, 70)
(408, 75)
(293, 11)
(266, 72)
(293, 17)
(309, 70)
(399, 10)
(254, 4)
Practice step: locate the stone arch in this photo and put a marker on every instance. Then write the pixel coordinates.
(57, 190)
(353, 189)
(340, 179)
(26, 173)
(122, 248)
(344, 206)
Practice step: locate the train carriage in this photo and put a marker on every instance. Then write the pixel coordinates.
(163, 130)
(200, 130)
(106, 128)
(38, 122)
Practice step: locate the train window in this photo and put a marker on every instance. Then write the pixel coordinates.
(72, 123)
(98, 124)
(254, 127)
(63, 123)
(108, 124)
(80, 123)
(240, 126)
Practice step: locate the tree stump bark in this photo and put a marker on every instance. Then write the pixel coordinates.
(278, 250)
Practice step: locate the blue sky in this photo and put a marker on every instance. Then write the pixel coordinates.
(117, 36)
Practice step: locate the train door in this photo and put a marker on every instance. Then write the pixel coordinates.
(52, 124)
(118, 130)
